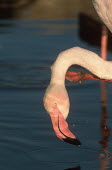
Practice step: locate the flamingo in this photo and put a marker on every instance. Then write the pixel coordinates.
(104, 10)
(56, 99)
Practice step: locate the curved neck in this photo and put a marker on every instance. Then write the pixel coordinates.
(82, 57)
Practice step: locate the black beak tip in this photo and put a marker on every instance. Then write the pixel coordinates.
(72, 141)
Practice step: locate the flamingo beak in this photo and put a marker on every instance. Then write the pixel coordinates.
(61, 129)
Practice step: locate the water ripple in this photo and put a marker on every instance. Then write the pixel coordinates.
(22, 75)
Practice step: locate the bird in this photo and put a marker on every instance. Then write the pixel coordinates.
(104, 10)
(56, 100)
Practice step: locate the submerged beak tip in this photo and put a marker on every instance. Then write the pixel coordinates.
(72, 141)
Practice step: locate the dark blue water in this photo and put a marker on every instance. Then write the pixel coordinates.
(27, 141)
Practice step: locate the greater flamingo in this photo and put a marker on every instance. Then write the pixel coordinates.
(56, 100)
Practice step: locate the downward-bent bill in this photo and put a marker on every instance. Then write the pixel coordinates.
(61, 129)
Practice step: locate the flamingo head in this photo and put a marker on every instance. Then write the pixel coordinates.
(56, 103)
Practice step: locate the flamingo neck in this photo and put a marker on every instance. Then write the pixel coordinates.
(82, 57)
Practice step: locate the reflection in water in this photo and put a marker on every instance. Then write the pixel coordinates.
(76, 168)
(105, 155)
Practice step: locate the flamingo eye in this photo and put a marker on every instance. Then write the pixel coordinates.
(55, 104)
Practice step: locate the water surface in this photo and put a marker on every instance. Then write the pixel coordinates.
(27, 141)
